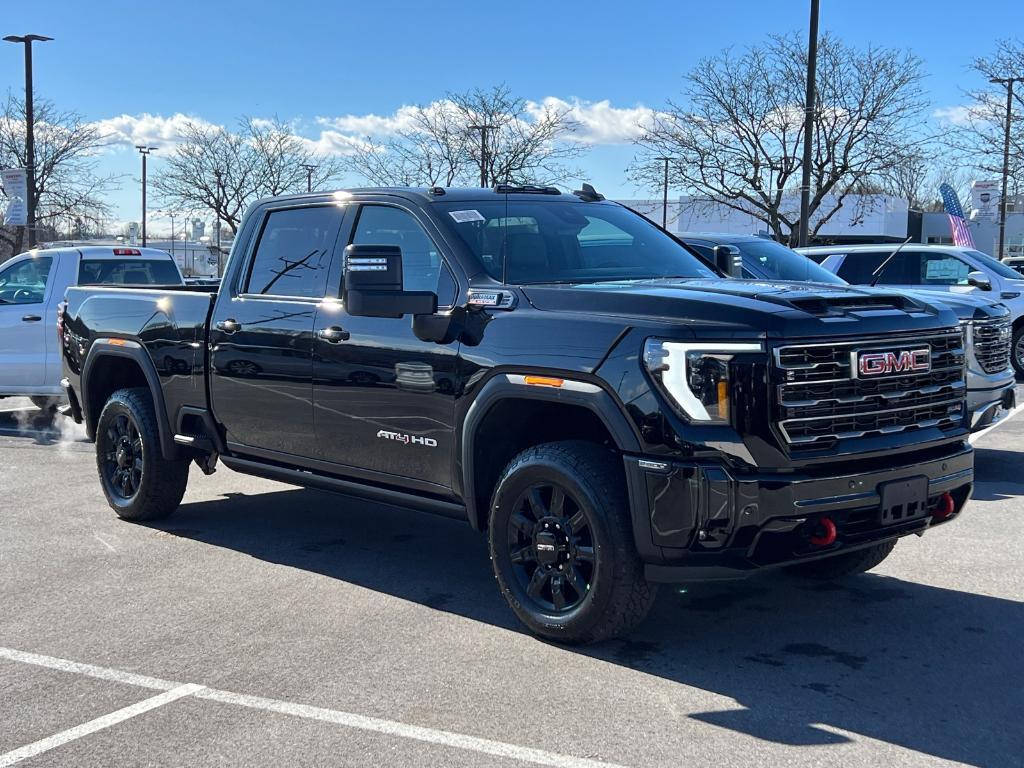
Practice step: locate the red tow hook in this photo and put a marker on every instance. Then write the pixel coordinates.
(825, 533)
(945, 507)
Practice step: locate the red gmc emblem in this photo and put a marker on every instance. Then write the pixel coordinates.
(903, 361)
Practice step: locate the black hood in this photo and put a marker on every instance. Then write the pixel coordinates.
(749, 307)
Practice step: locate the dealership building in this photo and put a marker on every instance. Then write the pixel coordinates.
(860, 219)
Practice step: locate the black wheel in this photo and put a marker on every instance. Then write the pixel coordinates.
(562, 547)
(838, 566)
(138, 482)
(1018, 351)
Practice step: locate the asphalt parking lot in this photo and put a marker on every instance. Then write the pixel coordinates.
(268, 625)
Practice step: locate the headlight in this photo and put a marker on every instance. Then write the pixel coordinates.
(695, 375)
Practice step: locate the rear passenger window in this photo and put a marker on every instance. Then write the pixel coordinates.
(423, 269)
(859, 268)
(294, 252)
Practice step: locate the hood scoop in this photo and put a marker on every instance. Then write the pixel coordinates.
(834, 306)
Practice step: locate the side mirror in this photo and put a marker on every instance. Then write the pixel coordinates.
(729, 260)
(979, 280)
(373, 284)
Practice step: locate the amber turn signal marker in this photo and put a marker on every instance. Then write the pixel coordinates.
(723, 400)
(543, 381)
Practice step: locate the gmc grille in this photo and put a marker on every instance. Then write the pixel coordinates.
(991, 344)
(820, 400)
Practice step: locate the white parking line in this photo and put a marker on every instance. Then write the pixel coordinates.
(347, 719)
(58, 739)
(978, 435)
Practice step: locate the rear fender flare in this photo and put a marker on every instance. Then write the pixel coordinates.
(125, 348)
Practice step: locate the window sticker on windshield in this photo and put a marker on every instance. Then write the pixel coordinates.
(463, 216)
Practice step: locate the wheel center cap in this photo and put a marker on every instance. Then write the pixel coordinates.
(547, 546)
(123, 456)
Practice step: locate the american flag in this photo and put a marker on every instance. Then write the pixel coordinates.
(957, 222)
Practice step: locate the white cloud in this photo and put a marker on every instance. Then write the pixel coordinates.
(373, 125)
(156, 130)
(598, 121)
(958, 115)
(333, 143)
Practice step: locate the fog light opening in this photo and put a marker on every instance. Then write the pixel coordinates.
(945, 507)
(825, 533)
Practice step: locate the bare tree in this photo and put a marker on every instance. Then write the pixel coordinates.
(70, 196)
(525, 143)
(737, 141)
(223, 171)
(977, 137)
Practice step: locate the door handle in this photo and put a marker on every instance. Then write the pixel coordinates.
(229, 326)
(334, 334)
(31, 319)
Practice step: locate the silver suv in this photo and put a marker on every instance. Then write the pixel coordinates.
(943, 268)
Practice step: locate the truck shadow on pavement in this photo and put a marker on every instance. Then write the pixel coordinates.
(929, 669)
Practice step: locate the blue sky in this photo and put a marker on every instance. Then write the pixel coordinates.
(118, 62)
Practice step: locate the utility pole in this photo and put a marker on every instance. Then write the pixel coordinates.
(1008, 82)
(171, 216)
(805, 181)
(309, 175)
(664, 193)
(144, 151)
(483, 128)
(30, 138)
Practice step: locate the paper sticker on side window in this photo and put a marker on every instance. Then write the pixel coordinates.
(463, 216)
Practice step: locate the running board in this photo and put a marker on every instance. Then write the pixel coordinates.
(346, 487)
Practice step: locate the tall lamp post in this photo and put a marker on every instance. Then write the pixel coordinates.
(216, 222)
(805, 180)
(483, 128)
(30, 139)
(309, 168)
(664, 193)
(1008, 83)
(144, 151)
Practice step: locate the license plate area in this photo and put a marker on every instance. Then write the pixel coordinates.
(903, 500)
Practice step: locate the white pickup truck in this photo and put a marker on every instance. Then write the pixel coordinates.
(32, 284)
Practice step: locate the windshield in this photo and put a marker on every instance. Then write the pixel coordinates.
(995, 265)
(522, 241)
(764, 258)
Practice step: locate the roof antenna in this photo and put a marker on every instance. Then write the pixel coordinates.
(588, 194)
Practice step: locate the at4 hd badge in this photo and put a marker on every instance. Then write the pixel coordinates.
(401, 437)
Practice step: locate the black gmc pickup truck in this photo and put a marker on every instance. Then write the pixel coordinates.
(552, 368)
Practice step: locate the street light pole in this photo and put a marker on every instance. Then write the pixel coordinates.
(1008, 82)
(144, 151)
(483, 128)
(805, 181)
(30, 139)
(216, 223)
(664, 193)
(309, 175)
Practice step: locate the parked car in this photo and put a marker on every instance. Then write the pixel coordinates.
(991, 383)
(32, 284)
(1015, 262)
(940, 268)
(619, 416)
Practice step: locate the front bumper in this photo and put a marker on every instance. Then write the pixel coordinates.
(986, 407)
(695, 521)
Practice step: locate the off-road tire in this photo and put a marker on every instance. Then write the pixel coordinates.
(617, 597)
(160, 483)
(839, 566)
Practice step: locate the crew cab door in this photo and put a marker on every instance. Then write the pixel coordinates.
(384, 401)
(261, 333)
(26, 338)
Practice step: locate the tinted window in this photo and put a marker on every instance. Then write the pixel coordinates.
(995, 265)
(859, 268)
(768, 259)
(25, 282)
(127, 272)
(526, 241)
(423, 268)
(294, 252)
